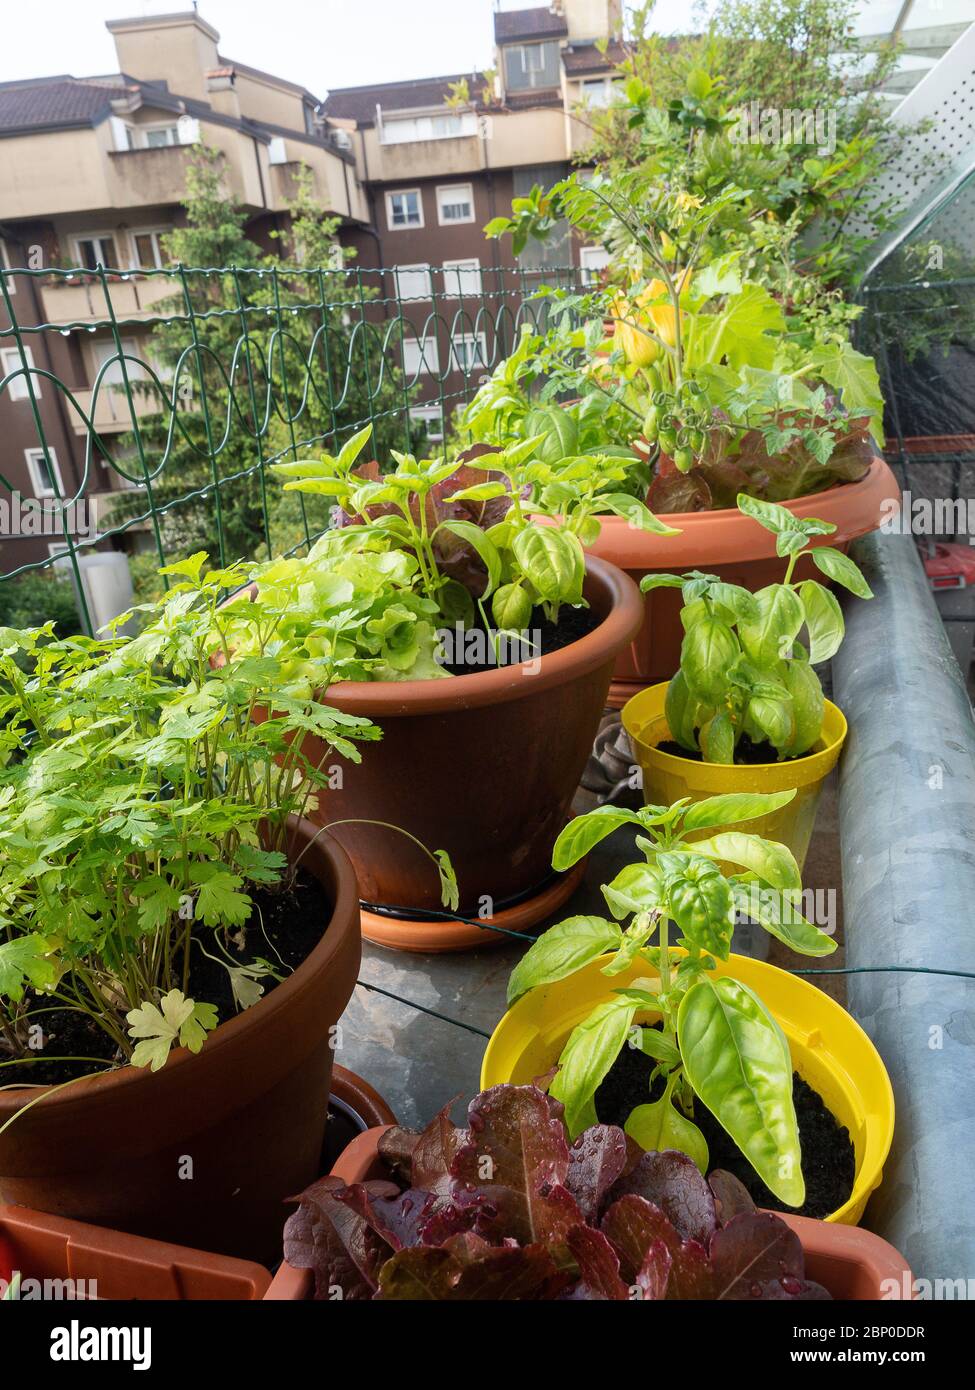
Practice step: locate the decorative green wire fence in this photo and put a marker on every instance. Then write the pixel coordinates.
(140, 411)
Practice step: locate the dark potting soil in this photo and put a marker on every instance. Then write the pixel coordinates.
(828, 1161)
(545, 638)
(746, 752)
(293, 920)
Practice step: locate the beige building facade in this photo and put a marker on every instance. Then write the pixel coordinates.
(93, 174)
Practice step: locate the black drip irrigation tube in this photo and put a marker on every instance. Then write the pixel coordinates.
(907, 836)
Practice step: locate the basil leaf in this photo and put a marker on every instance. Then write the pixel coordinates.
(737, 1060)
(561, 951)
(591, 1050)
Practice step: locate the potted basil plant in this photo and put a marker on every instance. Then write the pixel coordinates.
(654, 1025)
(746, 711)
(486, 657)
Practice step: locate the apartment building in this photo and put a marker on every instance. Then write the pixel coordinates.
(94, 169)
(94, 172)
(435, 174)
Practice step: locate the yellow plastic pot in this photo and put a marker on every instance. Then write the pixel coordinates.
(667, 777)
(830, 1051)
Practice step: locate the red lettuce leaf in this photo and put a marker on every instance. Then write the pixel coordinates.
(754, 1249)
(672, 1182)
(517, 1160)
(596, 1159)
(466, 1269)
(635, 1226)
(599, 1267)
(333, 1238)
(731, 1197)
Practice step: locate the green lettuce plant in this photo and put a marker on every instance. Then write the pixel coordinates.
(743, 670)
(141, 804)
(716, 1044)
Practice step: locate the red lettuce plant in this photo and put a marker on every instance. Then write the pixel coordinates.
(507, 1209)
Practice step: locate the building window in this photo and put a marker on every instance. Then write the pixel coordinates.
(598, 91)
(45, 475)
(10, 362)
(592, 259)
(455, 203)
(445, 125)
(94, 249)
(420, 357)
(404, 208)
(462, 279)
(432, 417)
(105, 350)
(11, 281)
(468, 352)
(154, 137)
(147, 247)
(531, 65)
(413, 281)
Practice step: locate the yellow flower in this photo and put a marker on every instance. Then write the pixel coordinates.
(658, 317)
(638, 348)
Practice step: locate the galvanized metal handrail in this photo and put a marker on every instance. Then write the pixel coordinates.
(907, 837)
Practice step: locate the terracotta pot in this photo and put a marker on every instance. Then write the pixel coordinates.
(483, 766)
(246, 1116)
(121, 1266)
(849, 1262)
(361, 1099)
(728, 544)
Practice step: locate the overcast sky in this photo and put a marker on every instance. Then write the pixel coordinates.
(318, 43)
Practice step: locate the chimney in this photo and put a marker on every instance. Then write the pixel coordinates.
(176, 49)
(221, 91)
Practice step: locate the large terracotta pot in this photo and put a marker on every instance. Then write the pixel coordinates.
(483, 766)
(849, 1262)
(111, 1265)
(728, 544)
(245, 1116)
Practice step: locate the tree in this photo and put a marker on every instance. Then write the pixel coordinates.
(688, 117)
(264, 358)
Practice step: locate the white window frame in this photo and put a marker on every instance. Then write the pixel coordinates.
(415, 364)
(430, 413)
(392, 193)
(11, 283)
(588, 255)
(113, 377)
(155, 233)
(415, 278)
(78, 237)
(423, 126)
(605, 86)
(141, 135)
(35, 461)
(534, 49)
(18, 389)
(478, 339)
(447, 188)
(453, 278)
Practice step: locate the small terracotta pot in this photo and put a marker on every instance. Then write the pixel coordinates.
(121, 1266)
(245, 1116)
(728, 544)
(368, 1106)
(851, 1263)
(483, 766)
